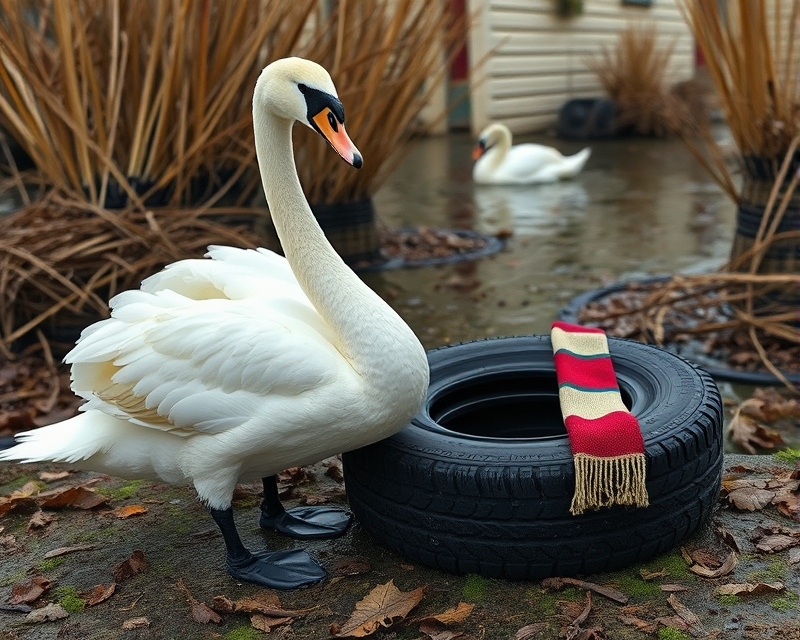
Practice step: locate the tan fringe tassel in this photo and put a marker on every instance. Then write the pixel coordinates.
(602, 482)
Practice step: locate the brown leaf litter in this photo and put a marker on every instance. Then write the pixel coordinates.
(130, 567)
(384, 606)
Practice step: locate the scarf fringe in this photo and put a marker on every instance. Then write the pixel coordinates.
(603, 482)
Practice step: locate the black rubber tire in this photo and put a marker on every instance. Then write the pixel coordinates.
(491, 494)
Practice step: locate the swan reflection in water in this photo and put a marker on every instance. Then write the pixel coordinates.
(531, 210)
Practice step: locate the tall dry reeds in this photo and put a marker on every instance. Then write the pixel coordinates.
(115, 99)
(634, 74)
(387, 57)
(754, 62)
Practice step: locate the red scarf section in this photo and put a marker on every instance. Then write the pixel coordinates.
(605, 438)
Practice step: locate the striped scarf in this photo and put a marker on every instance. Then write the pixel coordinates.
(605, 438)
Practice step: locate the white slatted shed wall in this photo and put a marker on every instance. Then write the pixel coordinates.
(535, 60)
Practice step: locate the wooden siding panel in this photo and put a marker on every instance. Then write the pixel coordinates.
(537, 60)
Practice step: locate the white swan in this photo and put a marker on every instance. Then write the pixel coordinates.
(497, 162)
(235, 368)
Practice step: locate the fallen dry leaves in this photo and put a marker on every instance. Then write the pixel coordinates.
(752, 494)
(201, 612)
(29, 591)
(749, 589)
(34, 392)
(775, 538)
(559, 583)
(707, 565)
(747, 427)
(694, 624)
(127, 511)
(384, 606)
(28, 498)
(130, 567)
(99, 593)
(61, 551)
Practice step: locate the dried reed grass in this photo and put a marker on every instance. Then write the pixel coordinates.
(387, 57)
(724, 303)
(139, 97)
(754, 62)
(61, 260)
(634, 75)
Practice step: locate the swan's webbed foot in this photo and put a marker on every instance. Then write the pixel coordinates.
(288, 569)
(308, 523)
(302, 523)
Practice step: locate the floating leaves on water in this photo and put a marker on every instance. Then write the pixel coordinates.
(384, 606)
(130, 567)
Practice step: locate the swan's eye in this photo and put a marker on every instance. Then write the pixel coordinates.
(332, 121)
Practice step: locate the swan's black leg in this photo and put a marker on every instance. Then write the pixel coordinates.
(303, 523)
(287, 569)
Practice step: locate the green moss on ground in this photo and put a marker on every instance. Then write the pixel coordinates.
(787, 455)
(69, 599)
(671, 633)
(474, 590)
(243, 633)
(50, 563)
(787, 602)
(127, 490)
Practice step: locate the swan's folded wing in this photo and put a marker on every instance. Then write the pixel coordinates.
(206, 366)
(230, 273)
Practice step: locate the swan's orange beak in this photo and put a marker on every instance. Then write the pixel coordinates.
(477, 152)
(334, 132)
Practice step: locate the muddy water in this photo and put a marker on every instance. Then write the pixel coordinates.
(640, 207)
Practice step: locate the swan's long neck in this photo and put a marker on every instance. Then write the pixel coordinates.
(362, 321)
(499, 149)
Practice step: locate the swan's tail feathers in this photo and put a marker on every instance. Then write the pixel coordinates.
(69, 441)
(572, 165)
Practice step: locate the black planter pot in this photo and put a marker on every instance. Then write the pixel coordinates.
(350, 228)
(718, 369)
(782, 256)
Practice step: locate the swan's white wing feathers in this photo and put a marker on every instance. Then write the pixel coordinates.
(231, 273)
(160, 363)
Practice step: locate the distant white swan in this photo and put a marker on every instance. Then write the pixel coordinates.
(235, 368)
(497, 162)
